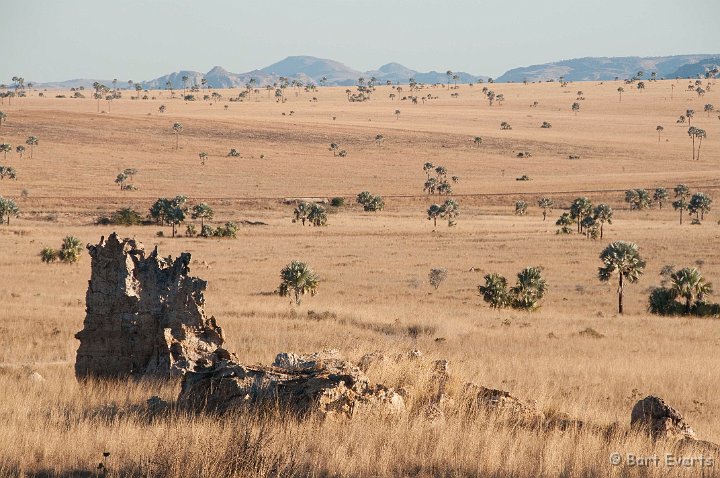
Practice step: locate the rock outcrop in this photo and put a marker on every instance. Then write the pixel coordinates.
(500, 401)
(320, 382)
(659, 419)
(144, 315)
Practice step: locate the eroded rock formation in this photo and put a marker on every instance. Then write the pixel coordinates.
(144, 315)
(659, 419)
(320, 382)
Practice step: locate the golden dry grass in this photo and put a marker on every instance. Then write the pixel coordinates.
(374, 276)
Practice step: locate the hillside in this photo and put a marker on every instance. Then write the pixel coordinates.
(601, 68)
(699, 68)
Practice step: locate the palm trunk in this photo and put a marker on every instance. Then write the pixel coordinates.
(544, 215)
(620, 295)
(693, 147)
(687, 305)
(681, 211)
(601, 229)
(435, 222)
(699, 144)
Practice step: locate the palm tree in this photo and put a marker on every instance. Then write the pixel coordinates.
(20, 149)
(699, 133)
(301, 212)
(575, 107)
(317, 215)
(297, 279)
(477, 140)
(494, 292)
(120, 180)
(138, 89)
(185, 80)
(692, 132)
(203, 157)
(709, 109)
(699, 204)
(564, 221)
(623, 259)
(8, 208)
(202, 211)
(71, 249)
(5, 148)
(602, 214)
(681, 194)
(580, 208)
(530, 288)
(32, 141)
(689, 284)
(162, 109)
(397, 114)
(3, 118)
(433, 212)
(659, 130)
(660, 195)
(620, 91)
(450, 210)
(177, 129)
(520, 208)
(545, 204)
(689, 114)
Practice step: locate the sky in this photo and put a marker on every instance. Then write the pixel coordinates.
(54, 40)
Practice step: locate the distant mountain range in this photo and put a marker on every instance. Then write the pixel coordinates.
(313, 70)
(606, 68)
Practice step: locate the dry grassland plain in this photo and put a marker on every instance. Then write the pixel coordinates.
(373, 269)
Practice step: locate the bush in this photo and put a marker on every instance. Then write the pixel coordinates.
(437, 277)
(228, 230)
(70, 250)
(662, 302)
(48, 255)
(126, 217)
(190, 230)
(207, 231)
(337, 202)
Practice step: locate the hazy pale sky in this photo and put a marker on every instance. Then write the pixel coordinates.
(51, 40)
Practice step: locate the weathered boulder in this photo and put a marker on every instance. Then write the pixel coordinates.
(144, 315)
(321, 383)
(502, 402)
(659, 419)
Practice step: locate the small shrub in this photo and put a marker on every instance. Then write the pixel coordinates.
(70, 250)
(337, 202)
(190, 230)
(126, 217)
(437, 277)
(228, 230)
(48, 255)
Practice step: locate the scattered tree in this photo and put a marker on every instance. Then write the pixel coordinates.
(660, 196)
(546, 204)
(437, 277)
(177, 129)
(202, 211)
(623, 259)
(298, 279)
(8, 209)
(681, 196)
